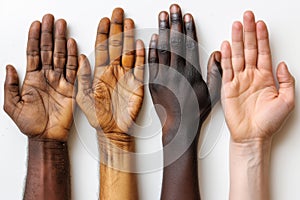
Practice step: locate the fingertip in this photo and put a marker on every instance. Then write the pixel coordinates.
(140, 45)
(188, 17)
(153, 41)
(217, 56)
(282, 68)
(35, 24)
(103, 26)
(61, 23)
(224, 46)
(48, 17)
(154, 37)
(163, 16)
(174, 8)
(8, 67)
(105, 20)
(71, 43)
(249, 15)
(117, 16)
(261, 25)
(82, 58)
(128, 27)
(237, 25)
(128, 23)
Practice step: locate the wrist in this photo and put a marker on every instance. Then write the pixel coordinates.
(116, 150)
(258, 147)
(47, 150)
(48, 173)
(249, 169)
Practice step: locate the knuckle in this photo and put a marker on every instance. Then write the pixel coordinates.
(153, 59)
(176, 42)
(115, 43)
(191, 44)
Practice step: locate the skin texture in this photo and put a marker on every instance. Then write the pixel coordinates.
(112, 99)
(175, 78)
(254, 107)
(43, 110)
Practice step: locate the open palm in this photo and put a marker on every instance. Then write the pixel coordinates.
(254, 107)
(111, 101)
(44, 109)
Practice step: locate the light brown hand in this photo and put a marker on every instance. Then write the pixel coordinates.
(112, 100)
(44, 108)
(254, 107)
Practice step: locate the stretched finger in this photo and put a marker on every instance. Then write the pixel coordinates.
(46, 41)
(163, 46)
(60, 46)
(264, 60)
(191, 45)
(226, 62)
(116, 36)
(177, 46)
(11, 91)
(139, 61)
(128, 44)
(238, 60)
(153, 57)
(250, 41)
(101, 47)
(33, 47)
(72, 63)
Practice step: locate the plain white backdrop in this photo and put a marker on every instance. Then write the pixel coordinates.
(213, 19)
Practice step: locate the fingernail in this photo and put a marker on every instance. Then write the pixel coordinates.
(283, 69)
(154, 37)
(174, 8)
(218, 57)
(188, 18)
(163, 16)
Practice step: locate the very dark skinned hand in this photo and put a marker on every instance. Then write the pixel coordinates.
(183, 99)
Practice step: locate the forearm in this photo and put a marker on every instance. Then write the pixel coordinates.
(48, 174)
(117, 180)
(180, 178)
(249, 170)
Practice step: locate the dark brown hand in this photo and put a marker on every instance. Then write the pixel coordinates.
(184, 99)
(44, 109)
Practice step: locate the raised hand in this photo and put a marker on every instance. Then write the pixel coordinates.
(43, 110)
(254, 107)
(44, 107)
(182, 99)
(112, 100)
(175, 74)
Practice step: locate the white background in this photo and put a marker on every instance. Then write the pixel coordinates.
(213, 19)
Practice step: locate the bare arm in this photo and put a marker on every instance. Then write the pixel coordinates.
(43, 110)
(254, 107)
(111, 101)
(182, 99)
(48, 173)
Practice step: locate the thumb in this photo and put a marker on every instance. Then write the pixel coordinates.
(286, 85)
(214, 77)
(11, 90)
(84, 74)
